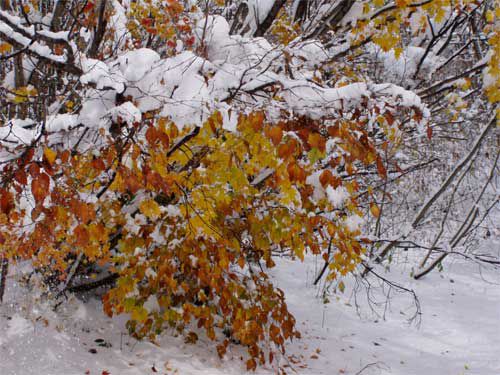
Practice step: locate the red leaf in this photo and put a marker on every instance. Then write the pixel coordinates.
(6, 201)
(152, 135)
(21, 177)
(190, 41)
(34, 170)
(40, 187)
(98, 164)
(90, 5)
(147, 21)
(429, 132)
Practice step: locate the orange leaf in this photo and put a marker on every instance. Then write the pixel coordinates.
(325, 177)
(315, 140)
(251, 365)
(275, 134)
(82, 235)
(6, 201)
(40, 187)
(374, 209)
(152, 135)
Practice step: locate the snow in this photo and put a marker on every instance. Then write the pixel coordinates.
(257, 13)
(456, 333)
(337, 196)
(402, 69)
(353, 222)
(98, 73)
(118, 21)
(126, 112)
(152, 304)
(24, 41)
(65, 121)
(18, 326)
(15, 132)
(187, 88)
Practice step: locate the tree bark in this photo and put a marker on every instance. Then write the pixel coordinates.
(4, 269)
(271, 16)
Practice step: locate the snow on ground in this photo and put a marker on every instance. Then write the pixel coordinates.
(458, 334)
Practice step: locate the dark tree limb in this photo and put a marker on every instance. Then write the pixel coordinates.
(325, 266)
(101, 29)
(4, 269)
(271, 16)
(86, 287)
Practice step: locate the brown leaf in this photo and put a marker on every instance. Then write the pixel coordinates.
(429, 132)
(381, 168)
(21, 177)
(6, 201)
(325, 177)
(251, 365)
(40, 187)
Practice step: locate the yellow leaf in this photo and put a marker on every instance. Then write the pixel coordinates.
(374, 210)
(139, 314)
(150, 209)
(490, 17)
(50, 155)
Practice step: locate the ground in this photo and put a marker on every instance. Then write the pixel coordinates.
(457, 332)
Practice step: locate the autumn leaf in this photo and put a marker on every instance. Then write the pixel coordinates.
(251, 364)
(315, 140)
(191, 338)
(150, 209)
(88, 7)
(40, 187)
(50, 155)
(374, 209)
(5, 48)
(139, 314)
(21, 177)
(6, 201)
(275, 134)
(381, 168)
(429, 132)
